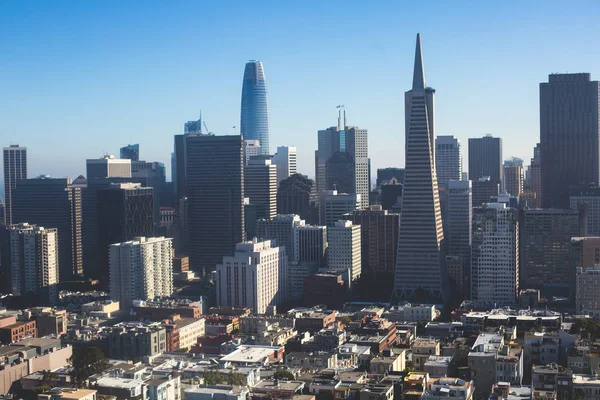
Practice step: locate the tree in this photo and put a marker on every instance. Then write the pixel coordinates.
(283, 375)
(86, 362)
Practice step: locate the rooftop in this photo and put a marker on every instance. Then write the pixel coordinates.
(250, 354)
(271, 385)
(119, 383)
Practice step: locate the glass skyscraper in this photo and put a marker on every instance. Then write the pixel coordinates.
(254, 121)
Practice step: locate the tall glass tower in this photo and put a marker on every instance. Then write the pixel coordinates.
(254, 122)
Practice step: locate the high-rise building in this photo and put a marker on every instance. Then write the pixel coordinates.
(178, 166)
(131, 152)
(260, 186)
(448, 160)
(2, 221)
(495, 254)
(483, 189)
(15, 168)
(485, 159)
(386, 174)
(459, 219)
(420, 260)
(251, 149)
(310, 244)
(343, 139)
(569, 136)
(333, 206)
(344, 248)
(255, 277)
(125, 211)
(513, 176)
(588, 196)
(193, 127)
(254, 121)
(339, 173)
(281, 229)
(298, 195)
(155, 176)
(215, 187)
(391, 195)
(34, 262)
(141, 269)
(108, 167)
(585, 252)
(546, 260)
(54, 203)
(379, 239)
(535, 177)
(285, 159)
(587, 293)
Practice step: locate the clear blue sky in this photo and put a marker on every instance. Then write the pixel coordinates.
(83, 78)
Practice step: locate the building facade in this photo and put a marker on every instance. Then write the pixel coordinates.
(285, 160)
(588, 197)
(513, 176)
(310, 244)
(448, 160)
(15, 168)
(260, 186)
(255, 277)
(419, 264)
(130, 152)
(485, 158)
(333, 206)
(281, 229)
(297, 194)
(108, 167)
(458, 226)
(141, 269)
(344, 248)
(254, 120)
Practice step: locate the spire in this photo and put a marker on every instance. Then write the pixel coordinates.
(419, 72)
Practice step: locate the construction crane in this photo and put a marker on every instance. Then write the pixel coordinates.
(205, 127)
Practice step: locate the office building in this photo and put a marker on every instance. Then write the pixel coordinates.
(54, 203)
(357, 147)
(108, 167)
(589, 197)
(280, 229)
(419, 264)
(483, 189)
(285, 160)
(339, 173)
(585, 252)
(379, 239)
(155, 177)
(125, 211)
(260, 186)
(2, 208)
(298, 195)
(386, 175)
(546, 258)
(251, 149)
(15, 168)
(130, 152)
(448, 160)
(215, 186)
(178, 168)
(333, 206)
(255, 277)
(485, 159)
(535, 178)
(587, 293)
(513, 176)
(391, 195)
(495, 254)
(193, 127)
(254, 121)
(458, 226)
(34, 262)
(140, 269)
(310, 244)
(344, 248)
(328, 144)
(569, 136)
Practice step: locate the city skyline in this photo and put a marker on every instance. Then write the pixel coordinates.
(88, 90)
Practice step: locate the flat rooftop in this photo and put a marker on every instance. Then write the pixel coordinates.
(250, 354)
(290, 386)
(120, 383)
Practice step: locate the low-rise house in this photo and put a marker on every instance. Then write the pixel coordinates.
(586, 386)
(414, 385)
(122, 388)
(277, 389)
(68, 393)
(444, 388)
(553, 379)
(509, 365)
(482, 362)
(217, 392)
(439, 366)
(377, 392)
(422, 348)
(190, 329)
(164, 387)
(389, 360)
(321, 360)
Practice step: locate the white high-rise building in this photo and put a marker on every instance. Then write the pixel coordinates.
(141, 269)
(334, 205)
(285, 159)
(260, 186)
(448, 160)
(251, 148)
(495, 253)
(255, 276)
(108, 167)
(281, 229)
(34, 261)
(344, 248)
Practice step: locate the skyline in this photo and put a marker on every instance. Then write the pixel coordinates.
(90, 71)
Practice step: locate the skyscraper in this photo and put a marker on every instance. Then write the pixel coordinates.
(513, 176)
(15, 167)
(255, 276)
(535, 178)
(54, 203)
(254, 121)
(34, 262)
(260, 186)
(333, 206)
(495, 253)
(298, 195)
(344, 248)
(215, 191)
(485, 159)
(141, 269)
(448, 160)
(569, 136)
(459, 215)
(285, 159)
(281, 229)
(251, 149)
(131, 152)
(124, 212)
(310, 244)
(419, 264)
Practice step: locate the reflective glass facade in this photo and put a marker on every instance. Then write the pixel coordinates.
(254, 121)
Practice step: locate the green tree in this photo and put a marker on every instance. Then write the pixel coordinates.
(283, 375)
(86, 362)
